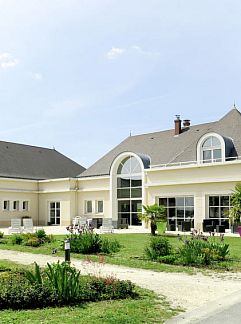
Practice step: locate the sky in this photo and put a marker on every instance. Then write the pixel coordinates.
(79, 75)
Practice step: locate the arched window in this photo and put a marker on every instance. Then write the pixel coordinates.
(129, 190)
(211, 150)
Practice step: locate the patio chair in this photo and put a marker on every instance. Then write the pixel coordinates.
(107, 226)
(28, 225)
(15, 226)
(79, 221)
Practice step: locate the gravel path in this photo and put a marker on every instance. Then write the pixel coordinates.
(182, 290)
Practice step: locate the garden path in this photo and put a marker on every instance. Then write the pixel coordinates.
(181, 290)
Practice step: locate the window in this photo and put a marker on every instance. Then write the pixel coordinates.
(219, 207)
(99, 206)
(54, 212)
(211, 150)
(88, 206)
(129, 190)
(15, 205)
(6, 205)
(179, 210)
(25, 205)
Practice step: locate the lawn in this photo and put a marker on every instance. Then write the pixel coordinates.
(148, 308)
(131, 253)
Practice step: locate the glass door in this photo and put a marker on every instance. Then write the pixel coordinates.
(54, 212)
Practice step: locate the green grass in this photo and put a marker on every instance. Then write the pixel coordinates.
(148, 308)
(131, 253)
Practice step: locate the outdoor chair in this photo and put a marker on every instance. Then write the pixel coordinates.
(15, 226)
(28, 225)
(79, 221)
(107, 226)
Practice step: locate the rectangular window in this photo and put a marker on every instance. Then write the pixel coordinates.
(25, 206)
(15, 205)
(54, 212)
(180, 211)
(88, 206)
(6, 205)
(219, 206)
(99, 206)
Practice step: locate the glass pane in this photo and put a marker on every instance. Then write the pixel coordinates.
(126, 169)
(124, 206)
(124, 216)
(136, 193)
(180, 201)
(208, 142)
(215, 141)
(52, 213)
(224, 201)
(189, 201)
(214, 212)
(52, 205)
(136, 206)
(171, 212)
(217, 155)
(207, 156)
(123, 182)
(171, 201)
(189, 212)
(136, 182)
(58, 204)
(57, 221)
(89, 206)
(214, 201)
(57, 213)
(100, 206)
(134, 219)
(135, 165)
(180, 212)
(224, 212)
(123, 193)
(163, 201)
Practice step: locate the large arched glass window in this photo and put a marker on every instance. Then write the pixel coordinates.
(211, 150)
(129, 191)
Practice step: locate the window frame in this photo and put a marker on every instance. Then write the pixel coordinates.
(201, 150)
(86, 207)
(97, 206)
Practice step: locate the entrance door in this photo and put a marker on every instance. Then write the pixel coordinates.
(54, 212)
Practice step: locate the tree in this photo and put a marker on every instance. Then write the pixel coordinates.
(153, 214)
(235, 210)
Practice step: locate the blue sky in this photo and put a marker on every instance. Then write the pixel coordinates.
(79, 75)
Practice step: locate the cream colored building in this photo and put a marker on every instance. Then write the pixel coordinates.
(191, 170)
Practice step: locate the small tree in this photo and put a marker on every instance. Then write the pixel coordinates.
(235, 210)
(153, 214)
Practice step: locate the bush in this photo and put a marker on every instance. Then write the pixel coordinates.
(110, 246)
(91, 243)
(202, 252)
(17, 239)
(159, 247)
(1, 235)
(41, 234)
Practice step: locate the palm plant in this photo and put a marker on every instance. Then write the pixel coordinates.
(153, 214)
(235, 210)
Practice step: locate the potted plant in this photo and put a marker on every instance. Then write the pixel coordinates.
(235, 210)
(152, 215)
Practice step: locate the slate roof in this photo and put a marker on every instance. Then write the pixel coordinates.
(37, 163)
(163, 147)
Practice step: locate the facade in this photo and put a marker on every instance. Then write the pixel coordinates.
(191, 170)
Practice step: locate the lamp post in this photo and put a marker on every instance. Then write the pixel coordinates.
(67, 250)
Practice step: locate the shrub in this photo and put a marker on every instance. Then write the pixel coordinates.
(91, 243)
(110, 246)
(41, 234)
(17, 239)
(1, 235)
(159, 247)
(202, 252)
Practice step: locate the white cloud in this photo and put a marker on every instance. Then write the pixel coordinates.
(37, 76)
(115, 52)
(7, 61)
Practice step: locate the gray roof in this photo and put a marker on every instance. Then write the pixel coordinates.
(163, 147)
(37, 163)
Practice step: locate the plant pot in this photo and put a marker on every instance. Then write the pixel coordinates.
(239, 230)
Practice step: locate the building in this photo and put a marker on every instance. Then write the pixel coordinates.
(191, 170)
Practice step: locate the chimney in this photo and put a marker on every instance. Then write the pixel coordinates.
(178, 123)
(186, 123)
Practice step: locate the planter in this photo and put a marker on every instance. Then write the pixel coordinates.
(239, 230)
